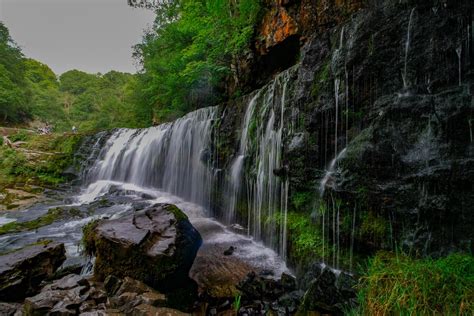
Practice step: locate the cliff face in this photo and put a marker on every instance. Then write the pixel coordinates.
(387, 89)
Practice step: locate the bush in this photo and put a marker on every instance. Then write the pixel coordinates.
(400, 285)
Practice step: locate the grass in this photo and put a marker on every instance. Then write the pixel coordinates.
(53, 215)
(401, 285)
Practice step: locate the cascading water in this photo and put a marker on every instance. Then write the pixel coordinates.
(258, 158)
(268, 192)
(171, 157)
(236, 170)
(171, 163)
(176, 157)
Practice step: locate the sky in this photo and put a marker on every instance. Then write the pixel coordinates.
(89, 35)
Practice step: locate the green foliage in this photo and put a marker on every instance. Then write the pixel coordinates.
(88, 241)
(43, 163)
(400, 285)
(305, 237)
(302, 201)
(374, 228)
(190, 52)
(237, 302)
(95, 102)
(14, 95)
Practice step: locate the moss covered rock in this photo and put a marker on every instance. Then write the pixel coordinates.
(157, 246)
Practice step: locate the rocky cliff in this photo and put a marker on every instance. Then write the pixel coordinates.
(375, 125)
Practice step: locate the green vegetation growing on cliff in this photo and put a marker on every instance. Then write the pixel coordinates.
(192, 49)
(400, 285)
(40, 161)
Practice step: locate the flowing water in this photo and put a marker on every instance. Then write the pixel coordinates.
(170, 163)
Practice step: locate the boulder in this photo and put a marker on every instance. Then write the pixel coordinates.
(330, 291)
(75, 294)
(156, 246)
(145, 310)
(65, 297)
(9, 309)
(22, 271)
(266, 287)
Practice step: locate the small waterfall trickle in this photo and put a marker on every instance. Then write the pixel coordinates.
(407, 49)
(329, 174)
(459, 53)
(267, 191)
(236, 170)
(337, 82)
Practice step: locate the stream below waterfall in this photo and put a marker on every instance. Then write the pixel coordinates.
(123, 199)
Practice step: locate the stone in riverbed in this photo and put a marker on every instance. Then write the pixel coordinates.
(157, 246)
(330, 291)
(22, 271)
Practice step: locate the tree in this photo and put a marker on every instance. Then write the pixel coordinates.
(191, 52)
(14, 94)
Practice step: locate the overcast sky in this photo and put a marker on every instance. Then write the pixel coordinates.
(90, 35)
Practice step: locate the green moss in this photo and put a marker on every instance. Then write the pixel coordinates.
(178, 214)
(88, 241)
(53, 215)
(373, 227)
(321, 78)
(400, 285)
(302, 201)
(42, 163)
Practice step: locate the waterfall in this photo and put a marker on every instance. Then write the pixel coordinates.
(172, 157)
(337, 82)
(237, 166)
(268, 193)
(407, 48)
(176, 158)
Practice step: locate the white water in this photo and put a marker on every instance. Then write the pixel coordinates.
(213, 232)
(236, 170)
(268, 193)
(407, 48)
(171, 163)
(171, 157)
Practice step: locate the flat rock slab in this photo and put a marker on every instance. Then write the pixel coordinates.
(156, 246)
(22, 271)
(218, 275)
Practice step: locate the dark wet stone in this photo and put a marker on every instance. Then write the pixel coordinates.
(229, 251)
(331, 292)
(9, 309)
(22, 271)
(157, 246)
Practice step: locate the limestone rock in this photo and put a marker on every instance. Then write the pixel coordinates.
(157, 246)
(22, 271)
(329, 291)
